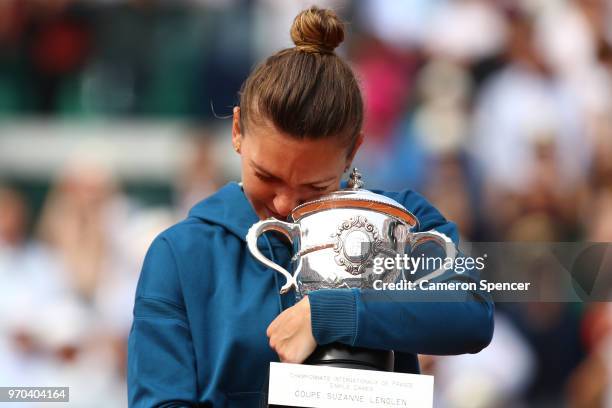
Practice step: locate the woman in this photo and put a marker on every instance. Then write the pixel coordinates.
(208, 318)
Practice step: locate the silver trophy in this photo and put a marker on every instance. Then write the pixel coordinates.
(337, 240)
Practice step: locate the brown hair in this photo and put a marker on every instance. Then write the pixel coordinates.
(306, 91)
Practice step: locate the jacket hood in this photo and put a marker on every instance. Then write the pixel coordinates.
(229, 208)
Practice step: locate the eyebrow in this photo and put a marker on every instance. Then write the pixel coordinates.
(269, 174)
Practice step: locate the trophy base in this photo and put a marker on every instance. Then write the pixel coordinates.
(343, 356)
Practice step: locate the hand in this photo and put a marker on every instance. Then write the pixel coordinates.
(290, 333)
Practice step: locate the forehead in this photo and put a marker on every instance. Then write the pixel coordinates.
(296, 160)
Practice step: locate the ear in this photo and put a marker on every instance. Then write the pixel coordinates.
(236, 131)
(358, 143)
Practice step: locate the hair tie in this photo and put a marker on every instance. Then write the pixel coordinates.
(314, 49)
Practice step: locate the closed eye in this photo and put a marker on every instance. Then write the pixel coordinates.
(265, 177)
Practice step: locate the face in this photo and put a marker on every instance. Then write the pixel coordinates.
(280, 172)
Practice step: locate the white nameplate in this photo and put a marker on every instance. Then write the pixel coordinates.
(301, 385)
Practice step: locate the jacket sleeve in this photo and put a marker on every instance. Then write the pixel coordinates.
(161, 362)
(411, 321)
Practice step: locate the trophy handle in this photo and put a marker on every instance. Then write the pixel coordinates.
(291, 231)
(441, 239)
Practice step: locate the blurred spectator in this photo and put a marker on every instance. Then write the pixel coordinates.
(543, 323)
(522, 107)
(466, 30)
(57, 41)
(599, 222)
(400, 24)
(495, 377)
(200, 175)
(26, 270)
(386, 81)
(45, 332)
(525, 114)
(591, 383)
(83, 221)
(448, 188)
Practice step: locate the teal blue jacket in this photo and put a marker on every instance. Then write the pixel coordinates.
(203, 304)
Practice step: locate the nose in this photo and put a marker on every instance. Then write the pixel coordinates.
(285, 201)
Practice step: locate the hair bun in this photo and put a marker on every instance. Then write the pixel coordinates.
(317, 30)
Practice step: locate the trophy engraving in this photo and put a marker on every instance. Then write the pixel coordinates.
(356, 243)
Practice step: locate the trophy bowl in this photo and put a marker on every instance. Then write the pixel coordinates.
(336, 240)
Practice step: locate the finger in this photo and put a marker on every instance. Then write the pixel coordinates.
(274, 327)
(276, 320)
